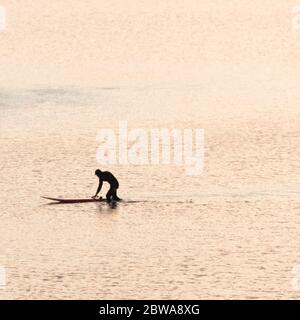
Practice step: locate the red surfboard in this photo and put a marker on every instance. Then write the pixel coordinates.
(59, 200)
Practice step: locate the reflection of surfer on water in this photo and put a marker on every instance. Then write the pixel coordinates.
(106, 176)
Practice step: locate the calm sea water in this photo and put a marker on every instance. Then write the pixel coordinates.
(232, 232)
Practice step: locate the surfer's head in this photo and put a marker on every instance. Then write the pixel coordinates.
(98, 172)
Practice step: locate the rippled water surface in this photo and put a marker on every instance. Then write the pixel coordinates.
(231, 233)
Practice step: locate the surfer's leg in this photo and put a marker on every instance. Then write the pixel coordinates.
(114, 194)
(115, 197)
(109, 195)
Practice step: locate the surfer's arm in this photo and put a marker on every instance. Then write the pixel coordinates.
(99, 187)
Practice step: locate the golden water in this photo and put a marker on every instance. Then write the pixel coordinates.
(231, 69)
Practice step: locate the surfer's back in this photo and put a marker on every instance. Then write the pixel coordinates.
(110, 178)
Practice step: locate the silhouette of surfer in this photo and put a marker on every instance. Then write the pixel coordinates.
(106, 176)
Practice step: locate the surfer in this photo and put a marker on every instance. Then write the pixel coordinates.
(113, 182)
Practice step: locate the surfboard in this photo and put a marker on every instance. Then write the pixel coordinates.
(60, 200)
